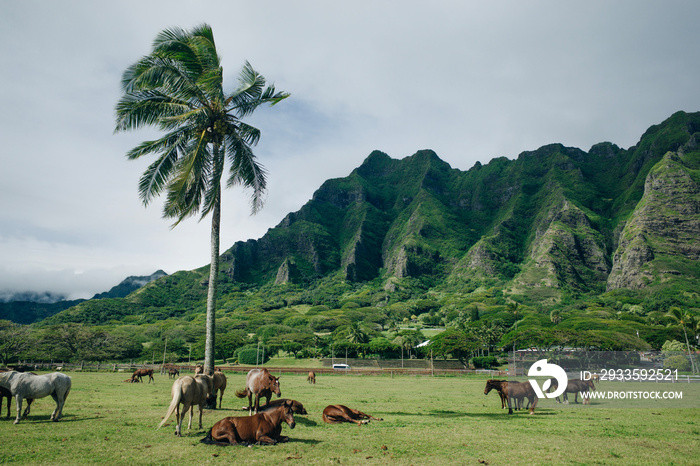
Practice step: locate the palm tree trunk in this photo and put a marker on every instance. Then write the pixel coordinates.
(690, 355)
(211, 293)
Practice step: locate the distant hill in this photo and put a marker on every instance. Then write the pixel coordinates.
(551, 226)
(129, 285)
(29, 307)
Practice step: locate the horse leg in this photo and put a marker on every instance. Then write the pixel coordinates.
(365, 415)
(510, 407)
(534, 404)
(201, 410)
(178, 421)
(257, 404)
(250, 403)
(265, 440)
(18, 401)
(221, 396)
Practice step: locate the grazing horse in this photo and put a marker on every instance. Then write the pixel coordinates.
(188, 391)
(574, 386)
(27, 385)
(513, 391)
(264, 428)
(336, 414)
(219, 386)
(172, 373)
(259, 382)
(143, 373)
(297, 407)
(311, 378)
(595, 378)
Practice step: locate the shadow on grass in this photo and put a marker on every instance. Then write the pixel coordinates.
(305, 422)
(452, 414)
(47, 420)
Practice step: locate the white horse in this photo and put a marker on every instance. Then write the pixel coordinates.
(26, 385)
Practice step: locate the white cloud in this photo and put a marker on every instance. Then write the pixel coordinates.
(471, 81)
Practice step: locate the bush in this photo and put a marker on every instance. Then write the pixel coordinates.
(677, 362)
(484, 362)
(250, 356)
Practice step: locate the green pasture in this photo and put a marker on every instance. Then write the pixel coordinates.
(427, 421)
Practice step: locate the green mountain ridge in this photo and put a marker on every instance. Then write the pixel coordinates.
(553, 225)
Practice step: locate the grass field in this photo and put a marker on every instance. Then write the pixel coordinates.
(427, 420)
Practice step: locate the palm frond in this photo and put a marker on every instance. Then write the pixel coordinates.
(246, 171)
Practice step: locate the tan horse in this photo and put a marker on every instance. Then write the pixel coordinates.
(259, 382)
(188, 391)
(219, 386)
(263, 428)
(336, 414)
(311, 377)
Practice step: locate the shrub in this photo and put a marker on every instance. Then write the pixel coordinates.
(249, 356)
(484, 362)
(677, 362)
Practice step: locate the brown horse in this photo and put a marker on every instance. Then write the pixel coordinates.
(173, 373)
(336, 414)
(143, 373)
(574, 386)
(259, 382)
(311, 377)
(517, 391)
(188, 391)
(501, 395)
(297, 407)
(264, 428)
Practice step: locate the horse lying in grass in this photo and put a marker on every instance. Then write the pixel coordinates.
(143, 373)
(264, 428)
(297, 407)
(261, 383)
(512, 390)
(188, 391)
(336, 414)
(27, 385)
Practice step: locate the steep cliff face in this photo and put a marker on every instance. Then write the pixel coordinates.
(557, 219)
(661, 240)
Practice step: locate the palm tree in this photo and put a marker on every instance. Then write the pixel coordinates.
(178, 89)
(356, 335)
(683, 319)
(555, 316)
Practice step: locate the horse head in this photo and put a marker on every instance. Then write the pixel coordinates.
(275, 385)
(289, 413)
(493, 384)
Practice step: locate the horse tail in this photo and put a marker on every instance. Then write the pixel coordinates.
(177, 395)
(242, 393)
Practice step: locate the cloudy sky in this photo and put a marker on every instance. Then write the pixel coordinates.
(470, 80)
